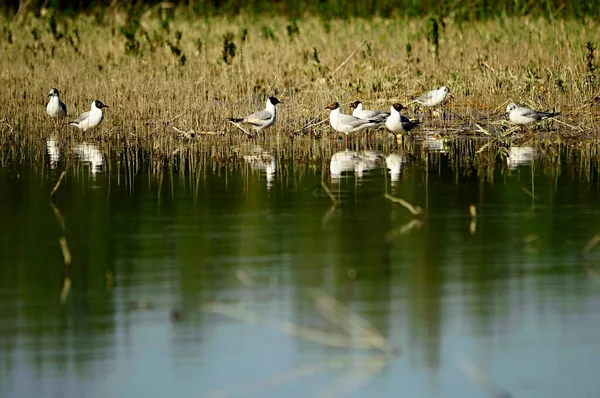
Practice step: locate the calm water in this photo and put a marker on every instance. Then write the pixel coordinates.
(181, 282)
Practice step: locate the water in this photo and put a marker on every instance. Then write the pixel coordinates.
(181, 282)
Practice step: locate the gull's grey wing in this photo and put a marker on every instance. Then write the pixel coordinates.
(526, 112)
(81, 117)
(367, 114)
(426, 96)
(63, 106)
(259, 118)
(352, 120)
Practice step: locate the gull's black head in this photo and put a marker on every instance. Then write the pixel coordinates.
(355, 104)
(332, 106)
(398, 106)
(99, 104)
(53, 93)
(274, 100)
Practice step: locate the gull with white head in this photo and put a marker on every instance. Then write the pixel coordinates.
(347, 123)
(55, 107)
(91, 118)
(522, 115)
(260, 120)
(434, 97)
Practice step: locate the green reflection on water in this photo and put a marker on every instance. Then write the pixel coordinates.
(147, 240)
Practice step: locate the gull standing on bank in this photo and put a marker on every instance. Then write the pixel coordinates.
(260, 120)
(90, 119)
(347, 123)
(367, 114)
(56, 108)
(522, 115)
(398, 124)
(434, 97)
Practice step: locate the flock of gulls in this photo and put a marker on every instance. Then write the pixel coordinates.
(341, 162)
(359, 120)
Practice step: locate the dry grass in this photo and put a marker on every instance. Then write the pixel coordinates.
(165, 113)
(487, 64)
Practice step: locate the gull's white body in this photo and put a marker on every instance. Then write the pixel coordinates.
(55, 107)
(394, 163)
(347, 123)
(261, 120)
(263, 161)
(90, 119)
(434, 97)
(356, 162)
(520, 156)
(398, 124)
(522, 115)
(367, 114)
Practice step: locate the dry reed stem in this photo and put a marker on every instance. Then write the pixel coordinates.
(357, 378)
(415, 210)
(284, 377)
(403, 229)
(53, 192)
(529, 193)
(473, 223)
(362, 43)
(480, 378)
(64, 293)
(314, 335)
(244, 277)
(339, 314)
(331, 195)
(592, 272)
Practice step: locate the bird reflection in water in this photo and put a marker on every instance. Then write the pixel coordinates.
(521, 156)
(355, 162)
(263, 161)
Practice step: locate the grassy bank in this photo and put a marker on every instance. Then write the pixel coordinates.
(159, 69)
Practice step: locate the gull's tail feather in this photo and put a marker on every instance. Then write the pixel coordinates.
(235, 119)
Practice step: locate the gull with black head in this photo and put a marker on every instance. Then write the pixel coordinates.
(398, 124)
(260, 120)
(91, 118)
(55, 107)
(347, 124)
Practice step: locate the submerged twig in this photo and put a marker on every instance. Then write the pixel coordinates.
(478, 376)
(331, 195)
(415, 210)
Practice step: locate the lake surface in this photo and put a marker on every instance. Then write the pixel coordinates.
(243, 278)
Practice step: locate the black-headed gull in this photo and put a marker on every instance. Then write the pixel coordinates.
(367, 114)
(347, 123)
(56, 108)
(398, 124)
(91, 118)
(261, 120)
(522, 115)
